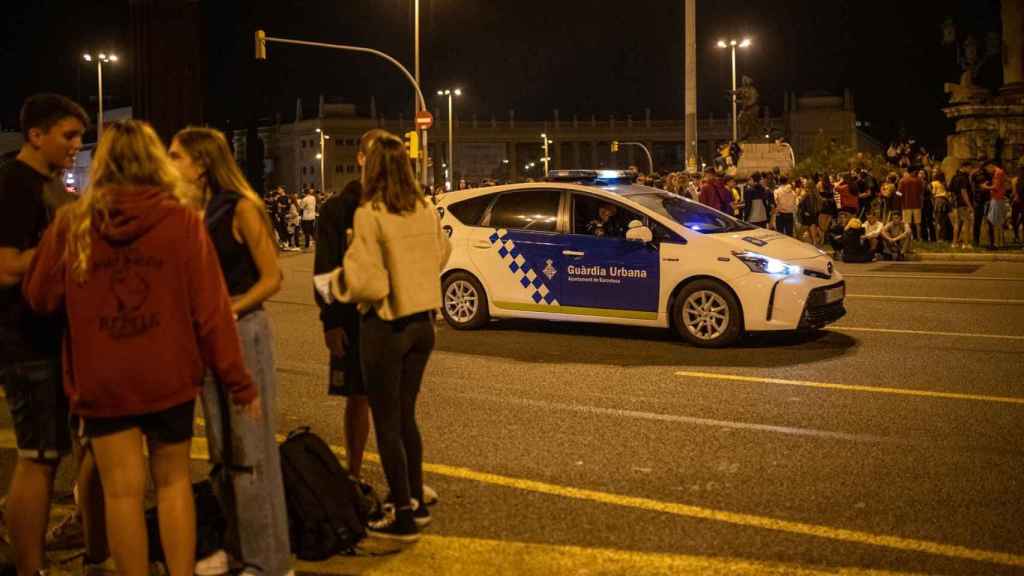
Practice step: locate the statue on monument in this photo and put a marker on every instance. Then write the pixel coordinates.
(747, 99)
(970, 62)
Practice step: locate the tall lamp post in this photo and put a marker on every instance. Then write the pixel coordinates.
(322, 157)
(547, 156)
(451, 132)
(745, 43)
(101, 59)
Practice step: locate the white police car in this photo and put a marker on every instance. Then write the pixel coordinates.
(592, 246)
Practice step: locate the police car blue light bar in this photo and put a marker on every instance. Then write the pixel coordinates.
(593, 176)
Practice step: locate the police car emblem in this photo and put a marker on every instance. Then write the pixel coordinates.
(549, 270)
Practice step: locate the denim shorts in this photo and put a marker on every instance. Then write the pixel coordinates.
(39, 408)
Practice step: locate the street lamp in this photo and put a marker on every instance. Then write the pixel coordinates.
(732, 44)
(322, 157)
(547, 157)
(101, 59)
(451, 132)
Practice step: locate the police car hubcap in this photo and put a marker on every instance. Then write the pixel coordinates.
(460, 301)
(706, 315)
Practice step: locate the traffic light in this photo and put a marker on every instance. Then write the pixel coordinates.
(261, 45)
(412, 143)
(615, 146)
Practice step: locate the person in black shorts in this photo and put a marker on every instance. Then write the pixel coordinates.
(31, 191)
(341, 320)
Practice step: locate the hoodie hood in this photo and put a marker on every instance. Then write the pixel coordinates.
(135, 211)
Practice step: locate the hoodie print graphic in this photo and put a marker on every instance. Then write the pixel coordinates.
(126, 314)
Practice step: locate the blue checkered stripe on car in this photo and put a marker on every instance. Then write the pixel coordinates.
(526, 274)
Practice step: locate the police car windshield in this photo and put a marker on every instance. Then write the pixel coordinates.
(690, 214)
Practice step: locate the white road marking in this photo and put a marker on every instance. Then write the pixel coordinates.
(936, 299)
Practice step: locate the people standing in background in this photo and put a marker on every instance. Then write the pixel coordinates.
(995, 214)
(308, 208)
(940, 206)
(758, 202)
(829, 209)
(960, 191)
(911, 191)
(785, 206)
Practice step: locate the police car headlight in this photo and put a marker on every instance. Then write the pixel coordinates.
(765, 264)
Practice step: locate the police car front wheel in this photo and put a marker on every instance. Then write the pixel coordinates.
(707, 314)
(465, 304)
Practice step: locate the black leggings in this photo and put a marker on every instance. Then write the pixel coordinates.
(394, 356)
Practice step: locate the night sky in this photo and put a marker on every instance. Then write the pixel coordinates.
(533, 56)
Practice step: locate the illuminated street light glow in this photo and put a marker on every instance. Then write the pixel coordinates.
(722, 44)
(746, 43)
(88, 57)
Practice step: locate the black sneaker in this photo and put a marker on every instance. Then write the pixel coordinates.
(399, 526)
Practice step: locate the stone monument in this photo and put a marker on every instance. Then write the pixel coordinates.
(990, 125)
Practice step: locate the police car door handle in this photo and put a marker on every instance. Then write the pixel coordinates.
(573, 253)
(482, 244)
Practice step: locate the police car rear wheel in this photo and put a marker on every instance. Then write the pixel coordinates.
(465, 304)
(706, 314)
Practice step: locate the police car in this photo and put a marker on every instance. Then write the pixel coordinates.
(593, 246)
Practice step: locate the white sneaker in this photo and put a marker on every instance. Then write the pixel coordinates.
(215, 564)
(429, 495)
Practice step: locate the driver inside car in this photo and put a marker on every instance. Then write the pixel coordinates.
(605, 223)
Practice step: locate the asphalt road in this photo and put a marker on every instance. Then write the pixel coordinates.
(890, 442)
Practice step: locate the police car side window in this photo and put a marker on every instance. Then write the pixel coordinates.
(535, 210)
(598, 217)
(471, 211)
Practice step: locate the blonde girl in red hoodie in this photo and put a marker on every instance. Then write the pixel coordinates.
(133, 269)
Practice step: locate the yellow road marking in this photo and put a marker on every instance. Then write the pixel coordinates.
(841, 328)
(900, 276)
(456, 556)
(936, 299)
(199, 452)
(852, 387)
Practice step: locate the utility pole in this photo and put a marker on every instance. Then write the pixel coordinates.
(690, 149)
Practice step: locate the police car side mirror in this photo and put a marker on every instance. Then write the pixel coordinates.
(637, 232)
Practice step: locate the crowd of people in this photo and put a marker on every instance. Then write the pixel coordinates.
(125, 306)
(862, 217)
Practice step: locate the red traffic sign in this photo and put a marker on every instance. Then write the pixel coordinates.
(424, 119)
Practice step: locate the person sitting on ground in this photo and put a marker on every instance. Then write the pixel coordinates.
(855, 249)
(896, 236)
(835, 234)
(605, 224)
(873, 232)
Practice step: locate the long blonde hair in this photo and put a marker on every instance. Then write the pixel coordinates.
(130, 154)
(209, 149)
(388, 177)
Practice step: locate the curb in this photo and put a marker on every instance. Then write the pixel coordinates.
(957, 257)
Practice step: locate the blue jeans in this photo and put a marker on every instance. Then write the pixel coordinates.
(246, 467)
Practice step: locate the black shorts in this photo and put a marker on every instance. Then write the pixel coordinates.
(39, 408)
(345, 375)
(170, 426)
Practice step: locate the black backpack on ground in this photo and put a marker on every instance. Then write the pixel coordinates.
(327, 510)
(210, 524)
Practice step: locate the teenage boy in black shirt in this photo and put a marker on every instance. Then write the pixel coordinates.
(31, 191)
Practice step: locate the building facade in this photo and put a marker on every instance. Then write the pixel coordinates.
(511, 149)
